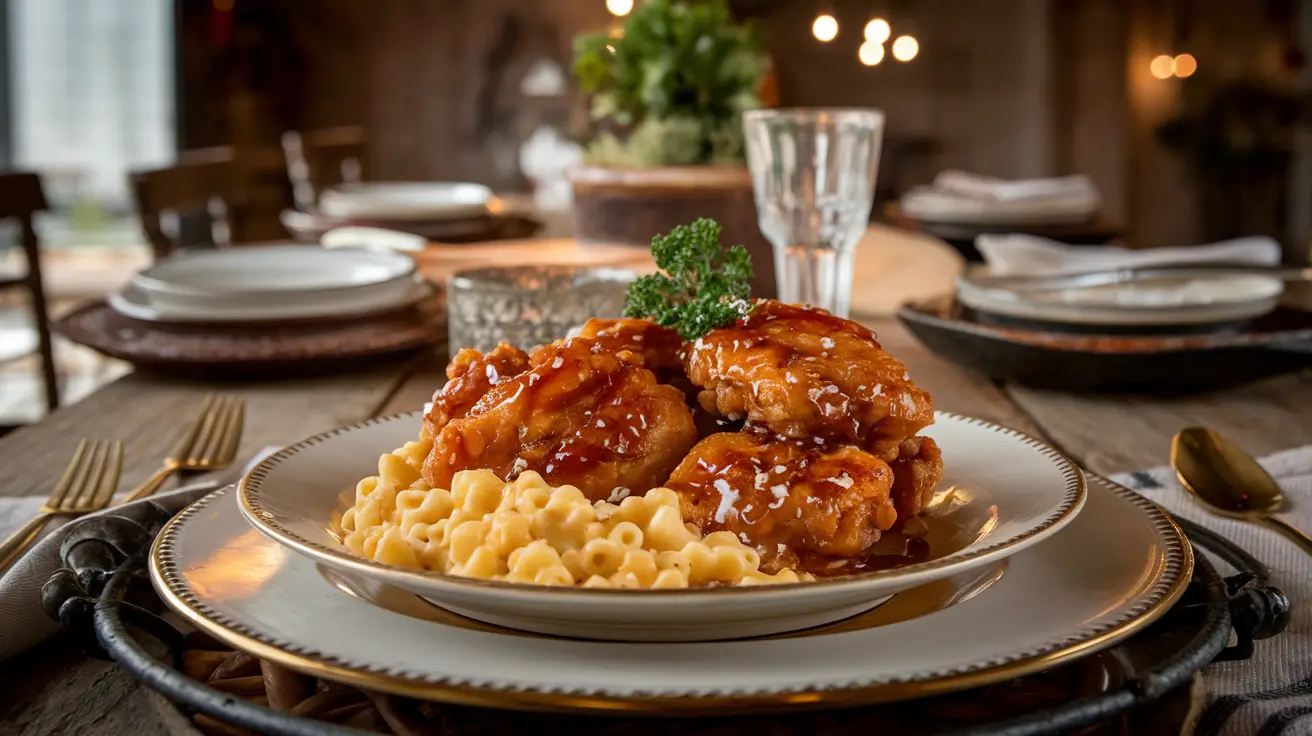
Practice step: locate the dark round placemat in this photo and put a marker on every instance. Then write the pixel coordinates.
(264, 350)
(1275, 343)
(1140, 685)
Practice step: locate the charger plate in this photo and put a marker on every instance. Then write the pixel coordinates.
(1010, 491)
(1116, 568)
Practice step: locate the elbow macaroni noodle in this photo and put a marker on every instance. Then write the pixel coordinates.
(526, 531)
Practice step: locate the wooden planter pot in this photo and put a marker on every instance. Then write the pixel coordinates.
(630, 205)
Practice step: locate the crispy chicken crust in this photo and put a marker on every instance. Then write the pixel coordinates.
(804, 373)
(582, 416)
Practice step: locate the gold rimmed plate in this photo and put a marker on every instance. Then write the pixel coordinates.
(1116, 568)
(1019, 492)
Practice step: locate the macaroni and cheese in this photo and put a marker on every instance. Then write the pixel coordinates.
(526, 531)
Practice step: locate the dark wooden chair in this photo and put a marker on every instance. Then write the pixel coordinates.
(21, 197)
(320, 159)
(200, 192)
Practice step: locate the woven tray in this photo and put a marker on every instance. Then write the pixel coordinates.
(257, 351)
(1145, 684)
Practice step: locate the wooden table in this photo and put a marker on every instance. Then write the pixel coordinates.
(53, 690)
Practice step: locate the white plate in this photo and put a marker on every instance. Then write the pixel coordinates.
(929, 205)
(1175, 302)
(1025, 490)
(1115, 569)
(271, 273)
(132, 303)
(406, 201)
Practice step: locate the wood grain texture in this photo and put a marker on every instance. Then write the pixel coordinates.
(954, 388)
(1113, 434)
(149, 414)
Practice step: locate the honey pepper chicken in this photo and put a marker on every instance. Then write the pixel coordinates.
(804, 373)
(808, 448)
(582, 416)
(469, 376)
(917, 470)
(788, 498)
(659, 346)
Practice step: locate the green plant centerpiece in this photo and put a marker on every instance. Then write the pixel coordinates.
(672, 84)
(667, 92)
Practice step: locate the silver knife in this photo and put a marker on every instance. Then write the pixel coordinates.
(1110, 277)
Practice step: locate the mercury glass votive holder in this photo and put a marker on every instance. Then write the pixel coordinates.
(525, 306)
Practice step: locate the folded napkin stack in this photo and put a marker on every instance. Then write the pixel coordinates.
(1027, 255)
(958, 196)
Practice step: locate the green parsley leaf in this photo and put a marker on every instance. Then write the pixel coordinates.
(702, 285)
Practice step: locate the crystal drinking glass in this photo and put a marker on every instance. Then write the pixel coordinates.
(813, 173)
(527, 306)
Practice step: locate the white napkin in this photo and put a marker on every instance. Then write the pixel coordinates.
(1274, 686)
(958, 196)
(1027, 255)
(23, 623)
(1013, 190)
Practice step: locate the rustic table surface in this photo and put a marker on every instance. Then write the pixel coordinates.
(52, 689)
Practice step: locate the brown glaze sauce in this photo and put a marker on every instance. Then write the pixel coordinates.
(806, 373)
(576, 418)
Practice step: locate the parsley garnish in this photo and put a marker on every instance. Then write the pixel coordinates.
(703, 285)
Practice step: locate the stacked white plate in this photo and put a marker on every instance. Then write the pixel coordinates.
(270, 284)
(1192, 301)
(407, 201)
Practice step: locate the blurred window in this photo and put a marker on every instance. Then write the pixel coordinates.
(91, 96)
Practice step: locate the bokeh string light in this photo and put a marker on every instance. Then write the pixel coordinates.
(871, 53)
(619, 7)
(1185, 65)
(878, 31)
(1162, 67)
(905, 48)
(825, 28)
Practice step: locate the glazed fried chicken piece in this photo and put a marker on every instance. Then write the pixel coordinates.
(798, 504)
(470, 375)
(802, 372)
(917, 470)
(659, 346)
(581, 416)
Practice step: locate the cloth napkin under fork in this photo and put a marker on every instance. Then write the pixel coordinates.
(1270, 693)
(23, 623)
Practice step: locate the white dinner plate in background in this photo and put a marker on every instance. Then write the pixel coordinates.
(1194, 301)
(439, 200)
(258, 272)
(134, 304)
(931, 205)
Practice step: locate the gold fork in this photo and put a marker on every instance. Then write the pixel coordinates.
(210, 444)
(87, 485)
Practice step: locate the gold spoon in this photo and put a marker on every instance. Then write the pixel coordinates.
(1229, 481)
